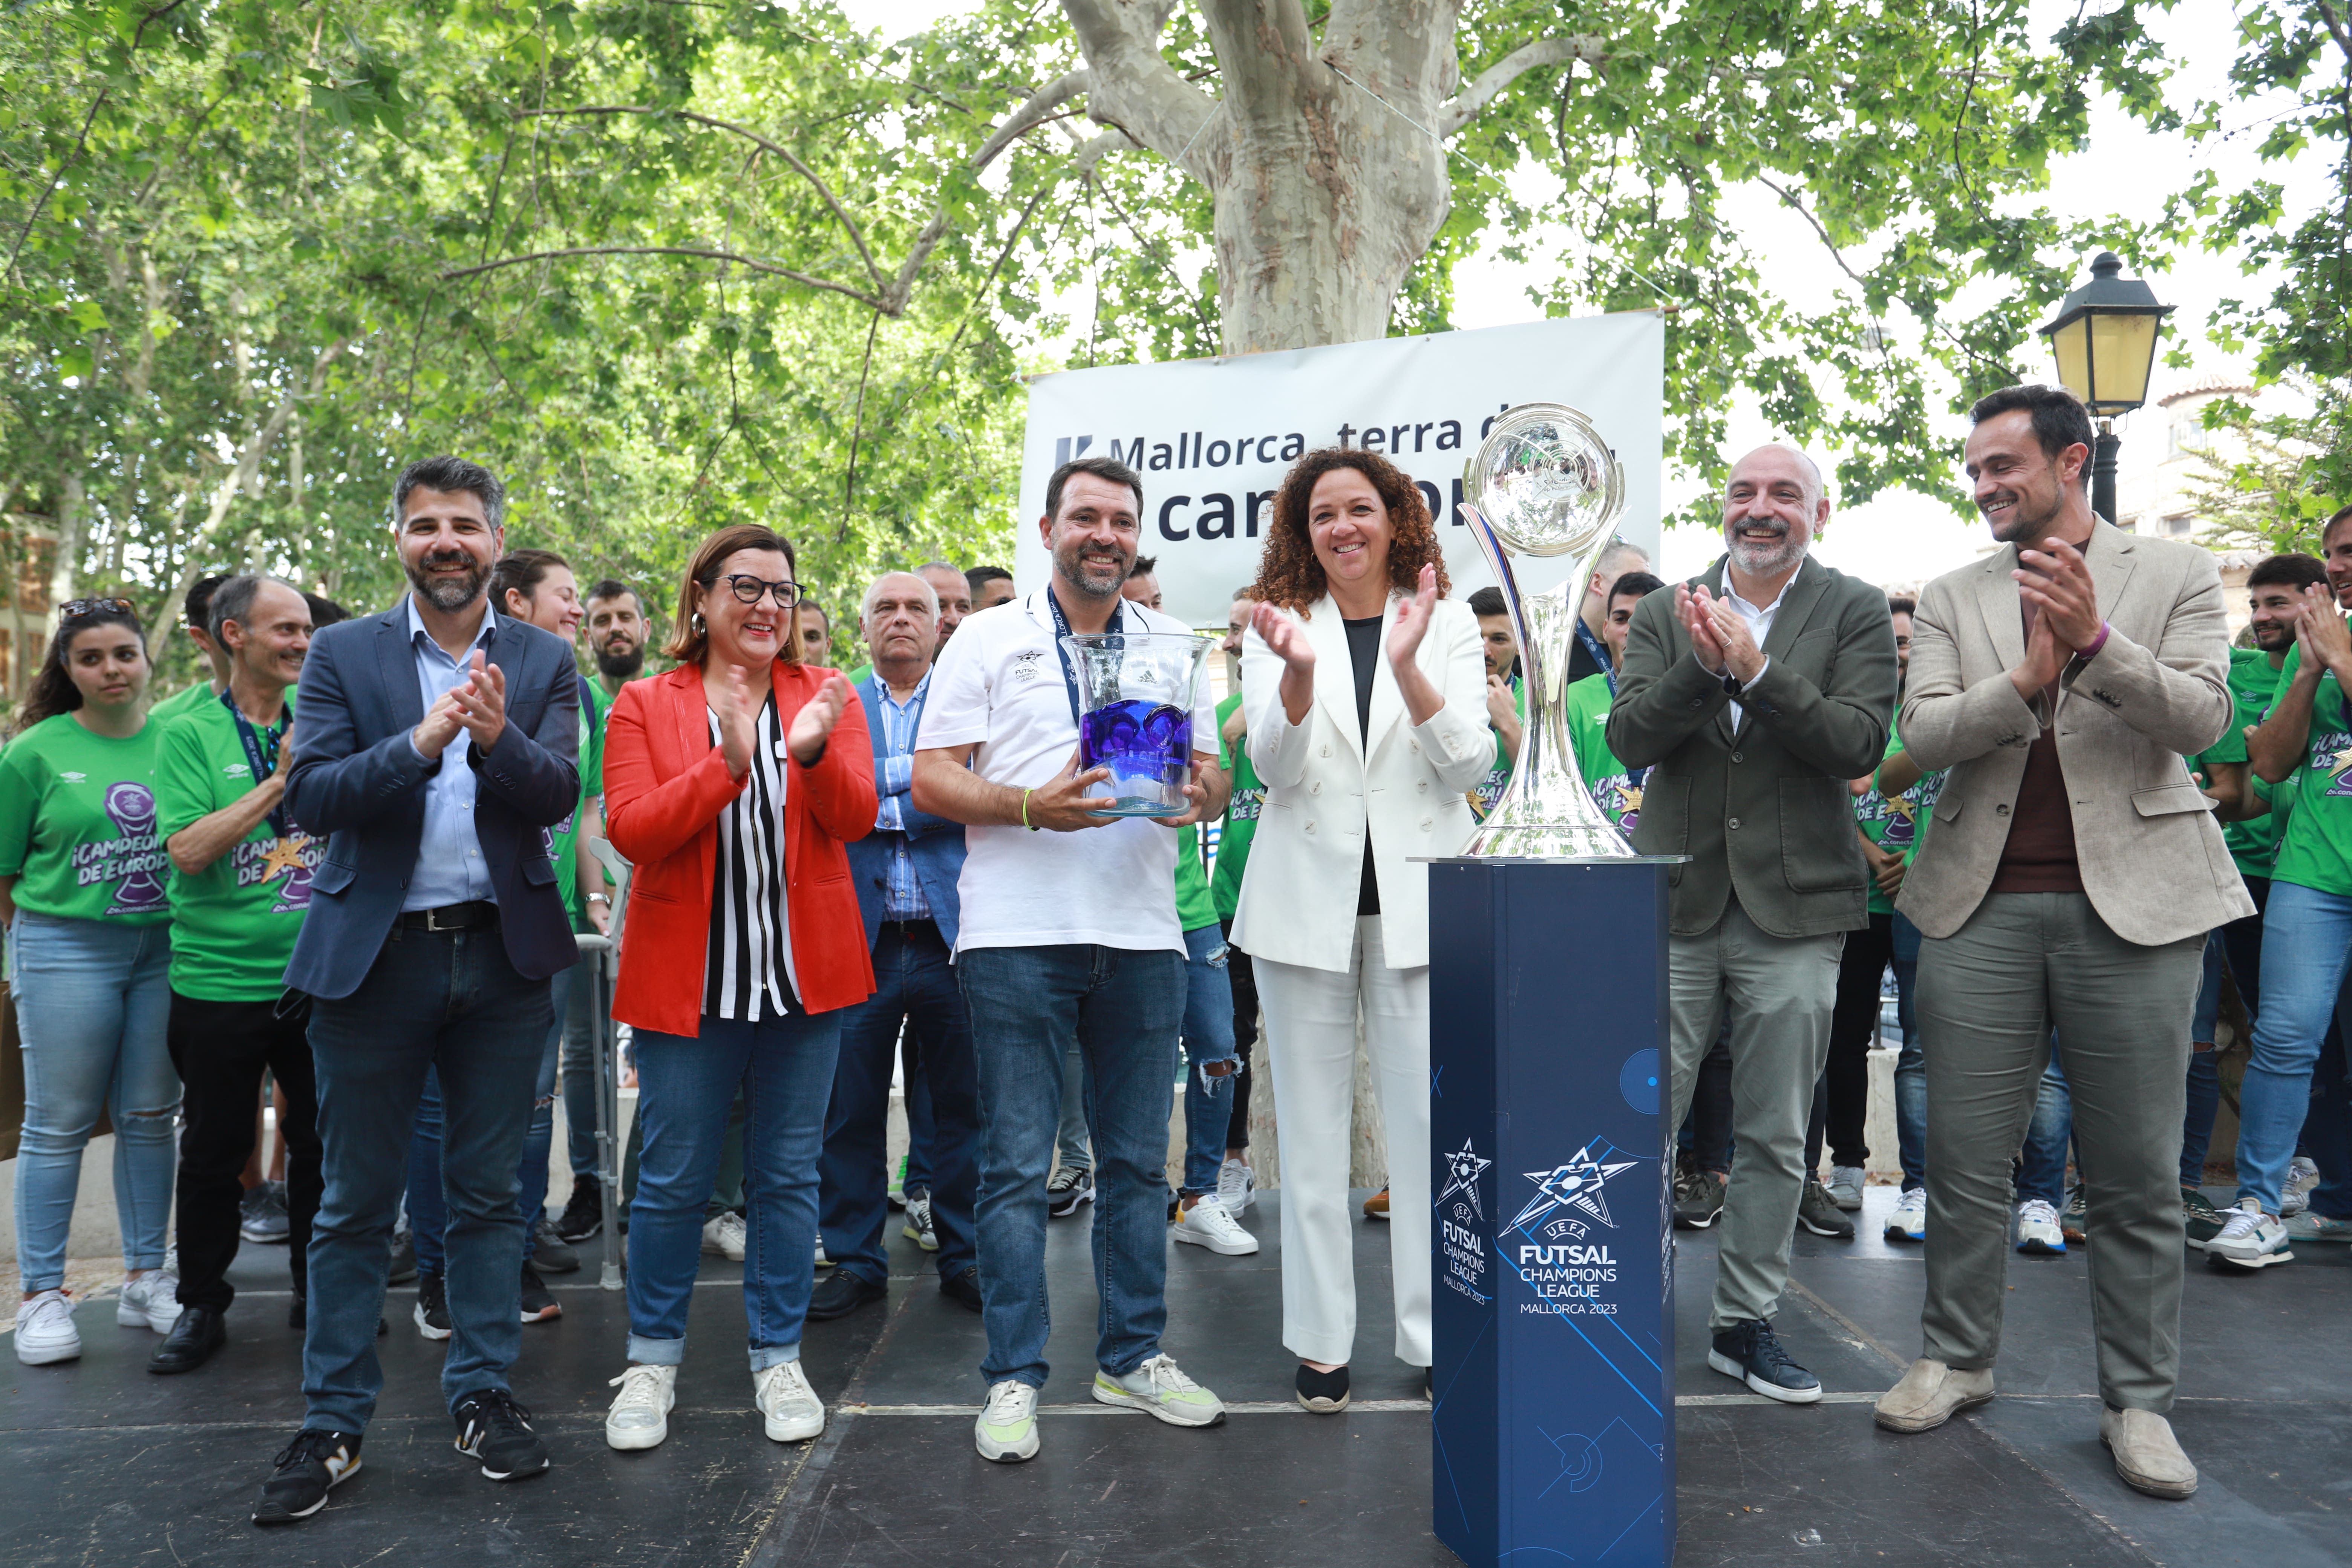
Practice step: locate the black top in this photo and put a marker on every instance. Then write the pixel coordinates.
(1364, 653)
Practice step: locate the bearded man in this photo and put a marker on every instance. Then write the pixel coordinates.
(1752, 693)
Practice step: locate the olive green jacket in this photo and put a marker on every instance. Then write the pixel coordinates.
(1764, 814)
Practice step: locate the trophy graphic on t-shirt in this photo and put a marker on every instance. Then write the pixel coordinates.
(132, 808)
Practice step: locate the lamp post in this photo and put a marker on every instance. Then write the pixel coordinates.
(2104, 338)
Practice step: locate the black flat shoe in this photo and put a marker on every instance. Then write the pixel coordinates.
(1324, 1392)
(841, 1294)
(198, 1332)
(962, 1289)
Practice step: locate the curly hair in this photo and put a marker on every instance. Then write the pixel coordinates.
(1289, 575)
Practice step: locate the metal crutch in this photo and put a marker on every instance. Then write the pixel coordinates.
(601, 952)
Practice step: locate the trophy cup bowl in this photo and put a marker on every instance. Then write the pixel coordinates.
(1544, 483)
(1137, 691)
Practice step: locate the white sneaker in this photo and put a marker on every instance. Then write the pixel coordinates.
(1006, 1431)
(784, 1397)
(1845, 1186)
(822, 1260)
(1159, 1388)
(639, 1417)
(2295, 1196)
(1236, 1187)
(44, 1330)
(2038, 1234)
(1907, 1221)
(725, 1236)
(2249, 1237)
(151, 1300)
(1206, 1224)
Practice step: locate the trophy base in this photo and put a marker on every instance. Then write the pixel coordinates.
(1135, 806)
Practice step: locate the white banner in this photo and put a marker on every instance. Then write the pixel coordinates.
(1214, 438)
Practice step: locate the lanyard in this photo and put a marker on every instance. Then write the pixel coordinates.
(1599, 652)
(261, 754)
(1061, 630)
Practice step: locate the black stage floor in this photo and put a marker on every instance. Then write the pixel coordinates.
(107, 1465)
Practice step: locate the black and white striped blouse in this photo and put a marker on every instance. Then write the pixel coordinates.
(748, 973)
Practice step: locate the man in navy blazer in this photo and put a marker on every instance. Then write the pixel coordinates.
(906, 872)
(433, 744)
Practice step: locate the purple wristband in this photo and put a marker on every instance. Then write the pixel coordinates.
(2097, 643)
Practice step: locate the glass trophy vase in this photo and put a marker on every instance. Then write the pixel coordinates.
(1137, 693)
(1546, 811)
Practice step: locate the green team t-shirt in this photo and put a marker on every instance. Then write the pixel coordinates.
(563, 839)
(235, 921)
(1241, 818)
(183, 701)
(1612, 781)
(1490, 789)
(1194, 908)
(2315, 850)
(78, 824)
(2254, 687)
(1896, 824)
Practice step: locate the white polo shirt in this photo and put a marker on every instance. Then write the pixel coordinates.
(999, 685)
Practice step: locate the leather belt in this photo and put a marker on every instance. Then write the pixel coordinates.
(471, 916)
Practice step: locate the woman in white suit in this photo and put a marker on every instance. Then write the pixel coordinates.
(1366, 697)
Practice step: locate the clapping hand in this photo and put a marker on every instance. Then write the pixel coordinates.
(2319, 628)
(1285, 638)
(1413, 620)
(815, 721)
(480, 703)
(1694, 608)
(739, 721)
(2056, 581)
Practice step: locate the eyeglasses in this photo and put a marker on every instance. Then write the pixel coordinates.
(751, 590)
(78, 607)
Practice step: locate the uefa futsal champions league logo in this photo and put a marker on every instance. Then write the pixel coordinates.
(132, 808)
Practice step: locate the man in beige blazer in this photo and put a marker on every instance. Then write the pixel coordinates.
(2067, 878)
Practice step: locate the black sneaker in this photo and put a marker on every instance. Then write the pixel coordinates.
(962, 1289)
(493, 1428)
(539, 1303)
(1068, 1189)
(1751, 1352)
(1698, 1202)
(549, 1253)
(1817, 1212)
(261, 1213)
(1324, 1392)
(840, 1293)
(584, 1215)
(311, 1466)
(402, 1267)
(432, 1307)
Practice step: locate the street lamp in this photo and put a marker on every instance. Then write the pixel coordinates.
(2104, 338)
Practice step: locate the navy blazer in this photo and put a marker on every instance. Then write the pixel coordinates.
(934, 843)
(357, 780)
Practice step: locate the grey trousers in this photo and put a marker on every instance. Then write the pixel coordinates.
(1780, 992)
(1989, 995)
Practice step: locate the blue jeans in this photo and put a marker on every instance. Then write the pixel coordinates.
(93, 1002)
(449, 1003)
(579, 1062)
(686, 1086)
(428, 1211)
(915, 987)
(2306, 939)
(922, 1125)
(2048, 1137)
(2204, 1082)
(1123, 1009)
(1910, 1066)
(1208, 1040)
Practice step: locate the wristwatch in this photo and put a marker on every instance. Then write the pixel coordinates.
(1731, 685)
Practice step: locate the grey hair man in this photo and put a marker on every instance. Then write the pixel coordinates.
(954, 591)
(1752, 693)
(1588, 653)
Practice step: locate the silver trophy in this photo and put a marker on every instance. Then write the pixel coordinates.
(1544, 483)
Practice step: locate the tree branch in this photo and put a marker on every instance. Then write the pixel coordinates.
(861, 296)
(1026, 118)
(2336, 28)
(856, 235)
(1130, 84)
(1467, 104)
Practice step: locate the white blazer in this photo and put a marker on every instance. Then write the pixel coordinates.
(1325, 783)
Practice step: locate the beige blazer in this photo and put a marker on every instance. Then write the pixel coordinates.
(2151, 855)
(1327, 786)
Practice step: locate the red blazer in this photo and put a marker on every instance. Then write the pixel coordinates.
(665, 785)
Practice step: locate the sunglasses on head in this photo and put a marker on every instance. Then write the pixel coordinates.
(78, 607)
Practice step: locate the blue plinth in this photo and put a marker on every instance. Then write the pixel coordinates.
(1554, 1433)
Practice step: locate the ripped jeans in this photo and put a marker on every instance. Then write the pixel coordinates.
(1210, 1061)
(93, 1000)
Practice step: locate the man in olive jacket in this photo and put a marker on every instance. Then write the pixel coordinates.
(1752, 694)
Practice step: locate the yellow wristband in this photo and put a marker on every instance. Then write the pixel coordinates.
(1025, 812)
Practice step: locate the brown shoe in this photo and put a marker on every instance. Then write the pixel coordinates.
(1377, 1206)
(2147, 1456)
(1931, 1394)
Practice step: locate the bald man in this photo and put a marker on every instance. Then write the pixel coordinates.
(1588, 653)
(1752, 693)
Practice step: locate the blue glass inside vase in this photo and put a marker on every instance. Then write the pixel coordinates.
(1147, 747)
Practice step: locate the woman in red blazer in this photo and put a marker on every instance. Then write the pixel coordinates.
(732, 783)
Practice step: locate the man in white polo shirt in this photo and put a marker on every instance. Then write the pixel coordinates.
(1068, 932)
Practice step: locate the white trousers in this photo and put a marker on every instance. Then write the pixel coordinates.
(1310, 1044)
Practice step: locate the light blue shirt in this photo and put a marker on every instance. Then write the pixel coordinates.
(893, 775)
(449, 865)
